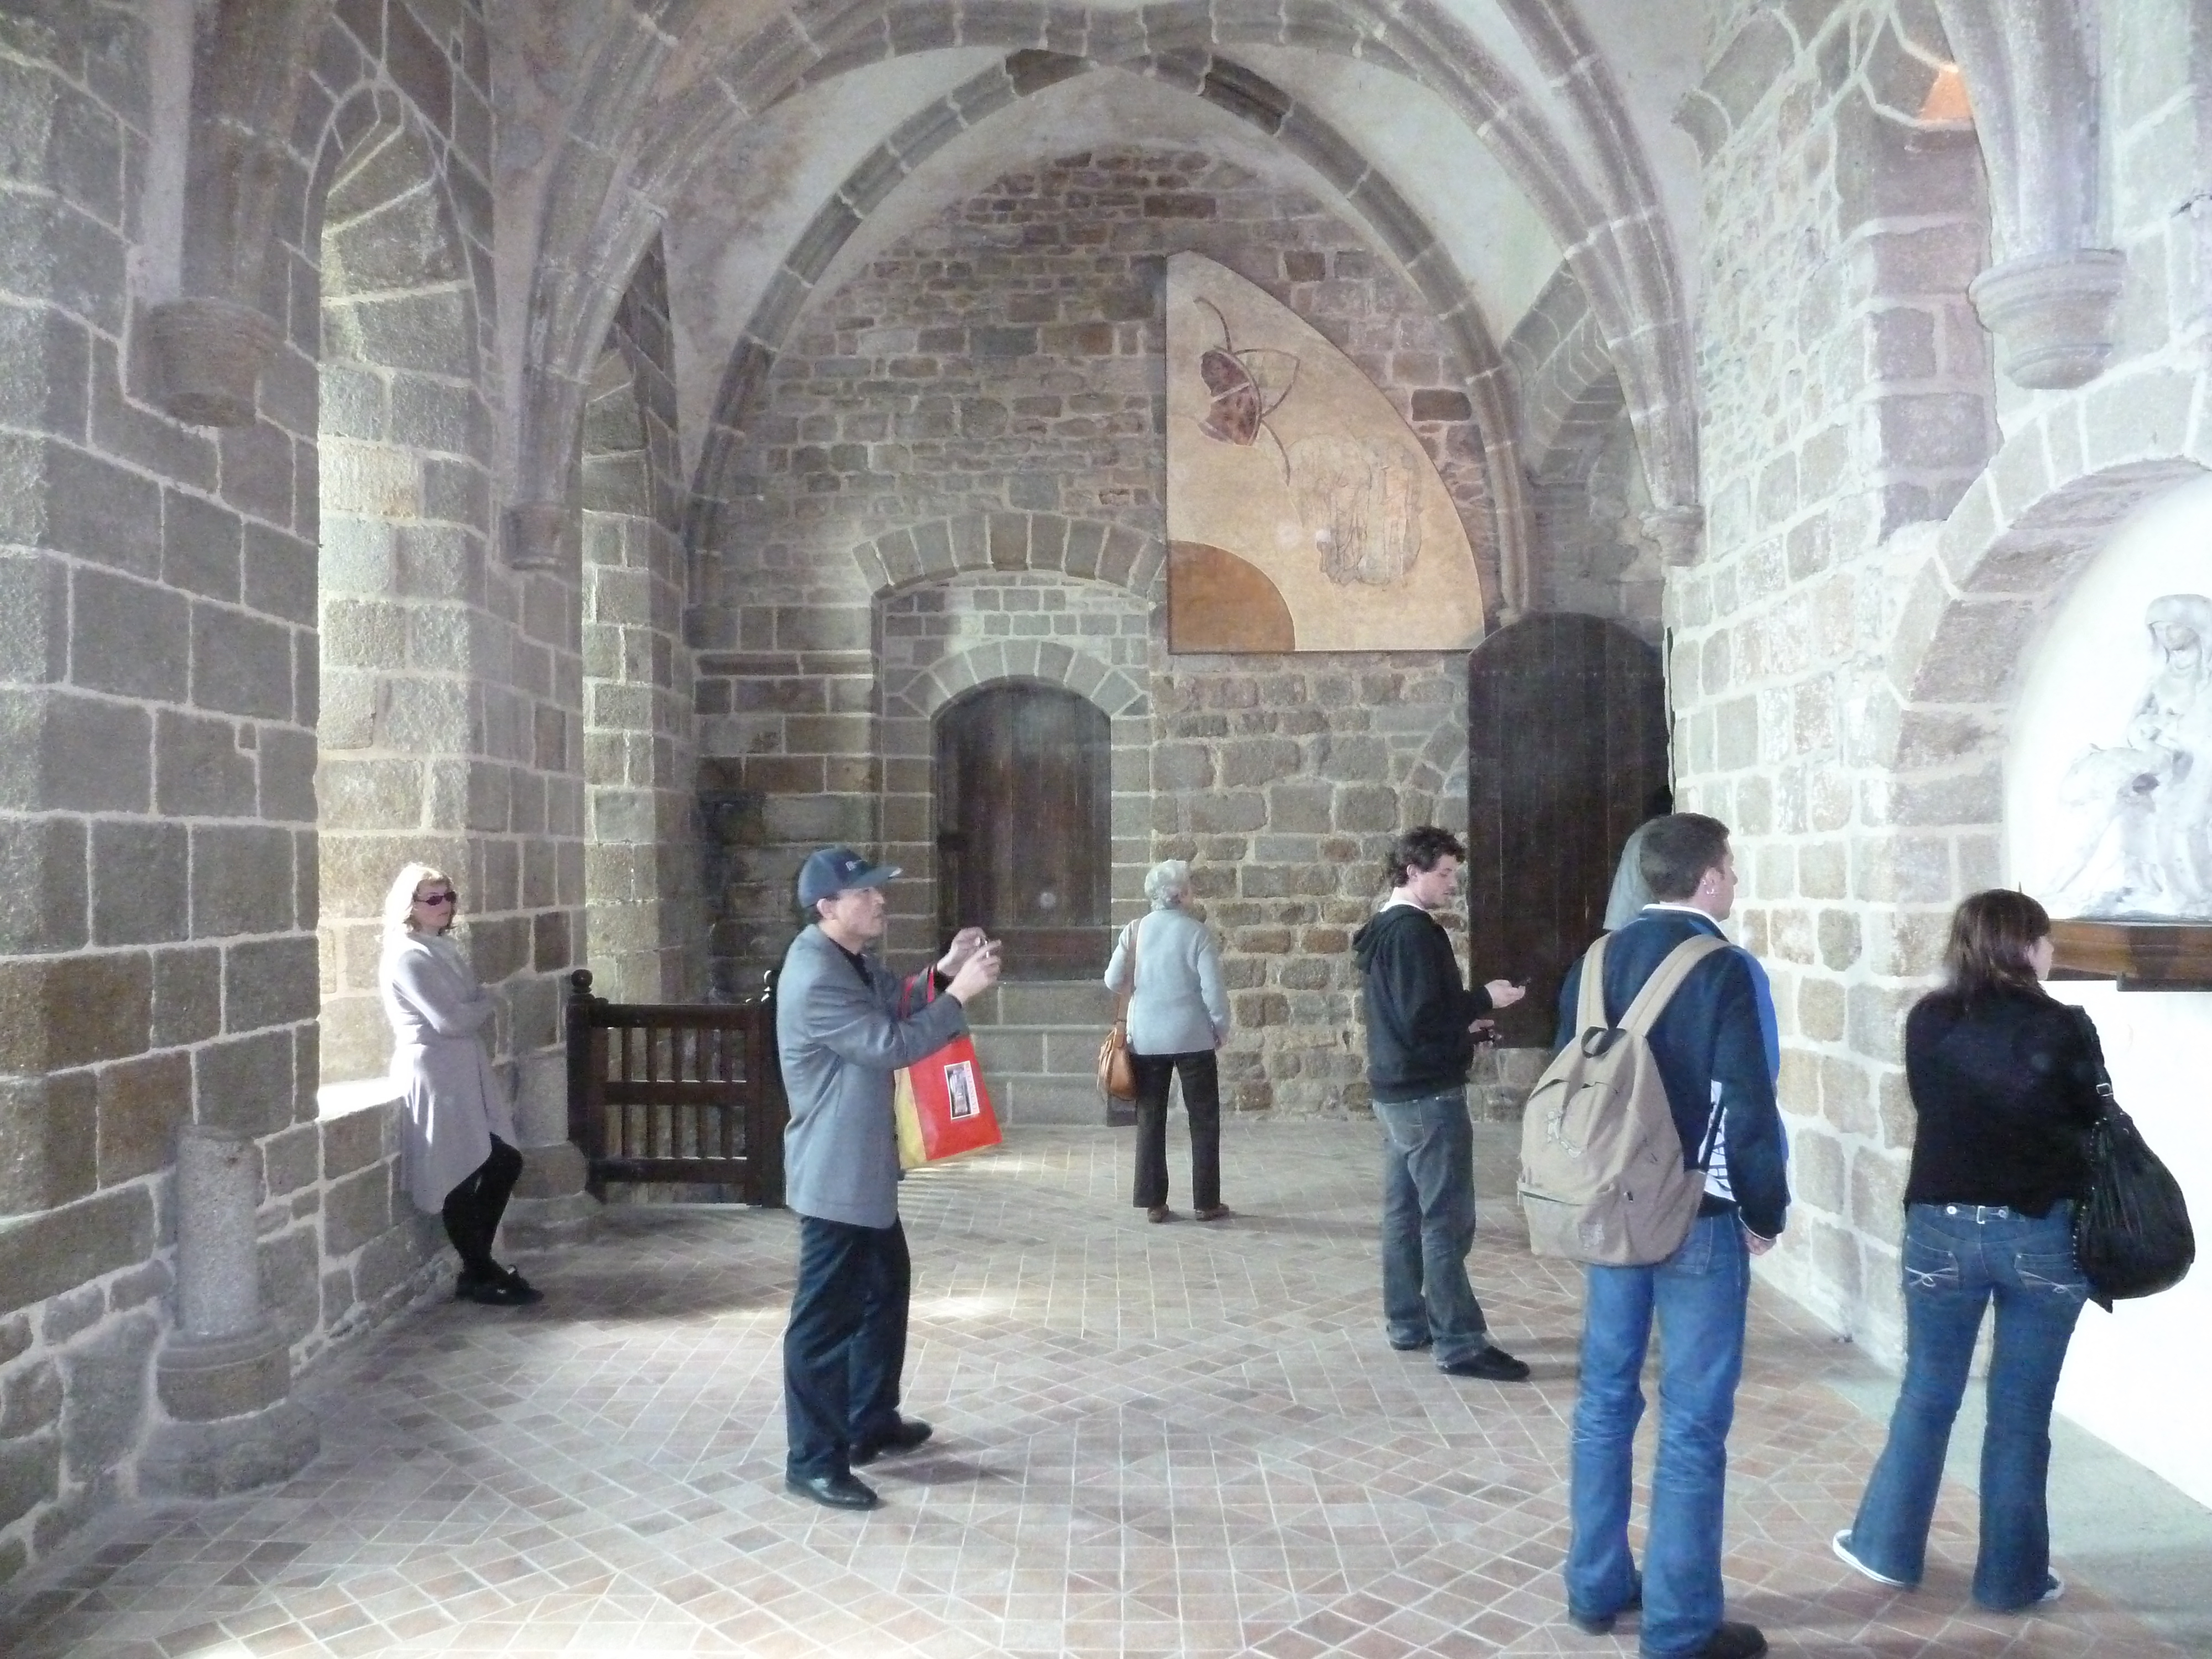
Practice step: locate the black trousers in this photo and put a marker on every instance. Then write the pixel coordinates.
(1201, 1100)
(846, 1344)
(472, 1209)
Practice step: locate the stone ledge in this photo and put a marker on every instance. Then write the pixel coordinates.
(335, 1100)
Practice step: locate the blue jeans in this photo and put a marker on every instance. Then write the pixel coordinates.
(846, 1344)
(1958, 1258)
(1428, 1225)
(1698, 1296)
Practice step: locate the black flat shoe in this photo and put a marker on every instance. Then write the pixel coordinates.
(836, 1492)
(910, 1432)
(504, 1289)
(1492, 1364)
(1733, 1642)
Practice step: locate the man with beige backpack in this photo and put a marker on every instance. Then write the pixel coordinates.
(1652, 1152)
(1175, 1014)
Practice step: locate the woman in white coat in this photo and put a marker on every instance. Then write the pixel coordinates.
(458, 1130)
(1178, 1015)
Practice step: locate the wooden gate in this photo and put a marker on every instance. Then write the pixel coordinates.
(687, 1092)
(1566, 718)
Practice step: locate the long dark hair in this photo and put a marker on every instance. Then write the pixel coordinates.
(1992, 933)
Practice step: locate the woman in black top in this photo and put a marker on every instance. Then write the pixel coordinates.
(2003, 1077)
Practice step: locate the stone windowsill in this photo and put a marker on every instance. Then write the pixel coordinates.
(344, 1099)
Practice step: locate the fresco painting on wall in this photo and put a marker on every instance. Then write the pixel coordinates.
(2111, 766)
(1303, 514)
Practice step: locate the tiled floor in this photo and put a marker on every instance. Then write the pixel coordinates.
(1177, 1440)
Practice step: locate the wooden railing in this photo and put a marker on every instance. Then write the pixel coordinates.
(687, 1092)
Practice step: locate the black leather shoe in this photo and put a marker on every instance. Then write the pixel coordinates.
(1492, 1364)
(1413, 1347)
(1600, 1624)
(910, 1432)
(836, 1491)
(1733, 1642)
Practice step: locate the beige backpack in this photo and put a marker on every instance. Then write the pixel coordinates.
(1602, 1178)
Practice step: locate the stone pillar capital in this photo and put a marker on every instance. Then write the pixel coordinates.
(2054, 314)
(208, 354)
(1678, 531)
(540, 536)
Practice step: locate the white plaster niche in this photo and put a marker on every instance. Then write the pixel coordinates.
(2124, 672)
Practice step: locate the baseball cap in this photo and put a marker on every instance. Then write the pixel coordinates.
(829, 872)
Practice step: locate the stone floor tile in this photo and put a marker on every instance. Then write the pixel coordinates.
(1169, 1441)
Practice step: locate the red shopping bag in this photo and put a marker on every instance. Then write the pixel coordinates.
(942, 1106)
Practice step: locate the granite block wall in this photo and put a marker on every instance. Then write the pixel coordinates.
(958, 464)
(645, 911)
(176, 647)
(1890, 523)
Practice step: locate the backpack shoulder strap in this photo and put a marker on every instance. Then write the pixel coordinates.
(1667, 979)
(1589, 998)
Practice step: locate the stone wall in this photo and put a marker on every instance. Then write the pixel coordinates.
(647, 914)
(982, 401)
(172, 649)
(1848, 396)
(1888, 527)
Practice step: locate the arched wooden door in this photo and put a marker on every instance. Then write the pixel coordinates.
(1024, 832)
(1566, 720)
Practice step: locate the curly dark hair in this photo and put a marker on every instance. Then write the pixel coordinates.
(1418, 851)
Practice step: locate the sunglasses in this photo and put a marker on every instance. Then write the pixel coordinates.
(437, 899)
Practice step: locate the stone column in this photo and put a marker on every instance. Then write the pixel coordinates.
(224, 1377)
(550, 1205)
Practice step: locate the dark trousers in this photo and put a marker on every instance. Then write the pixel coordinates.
(472, 1209)
(1201, 1101)
(846, 1344)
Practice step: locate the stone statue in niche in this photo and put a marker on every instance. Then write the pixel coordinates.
(2140, 814)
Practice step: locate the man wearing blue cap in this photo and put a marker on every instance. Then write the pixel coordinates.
(841, 1033)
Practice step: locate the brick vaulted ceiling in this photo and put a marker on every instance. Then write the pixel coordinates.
(1486, 142)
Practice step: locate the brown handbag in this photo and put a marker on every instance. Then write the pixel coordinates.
(1117, 1077)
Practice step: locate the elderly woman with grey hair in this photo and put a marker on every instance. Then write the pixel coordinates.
(1178, 1015)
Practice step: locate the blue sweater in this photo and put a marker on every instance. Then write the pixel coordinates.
(1708, 1035)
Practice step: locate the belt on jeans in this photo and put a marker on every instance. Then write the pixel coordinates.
(1984, 1211)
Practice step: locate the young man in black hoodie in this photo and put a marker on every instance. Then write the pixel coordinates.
(1421, 1025)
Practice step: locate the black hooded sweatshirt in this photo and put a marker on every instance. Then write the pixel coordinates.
(1418, 1007)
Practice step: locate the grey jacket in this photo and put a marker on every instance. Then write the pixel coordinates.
(1180, 1007)
(840, 1042)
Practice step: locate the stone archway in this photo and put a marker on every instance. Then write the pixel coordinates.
(916, 686)
(1482, 419)
(403, 481)
(1609, 220)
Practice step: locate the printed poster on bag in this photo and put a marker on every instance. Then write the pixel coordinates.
(960, 1089)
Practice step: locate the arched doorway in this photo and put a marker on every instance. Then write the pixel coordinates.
(1566, 724)
(1024, 842)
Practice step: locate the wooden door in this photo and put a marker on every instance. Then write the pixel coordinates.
(1566, 755)
(1023, 826)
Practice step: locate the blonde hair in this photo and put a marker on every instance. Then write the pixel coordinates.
(399, 902)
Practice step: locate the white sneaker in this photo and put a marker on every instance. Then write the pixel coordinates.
(2053, 1591)
(1843, 1554)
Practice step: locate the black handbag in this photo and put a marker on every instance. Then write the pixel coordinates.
(2131, 1231)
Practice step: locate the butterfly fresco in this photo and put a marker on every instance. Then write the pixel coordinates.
(1246, 387)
